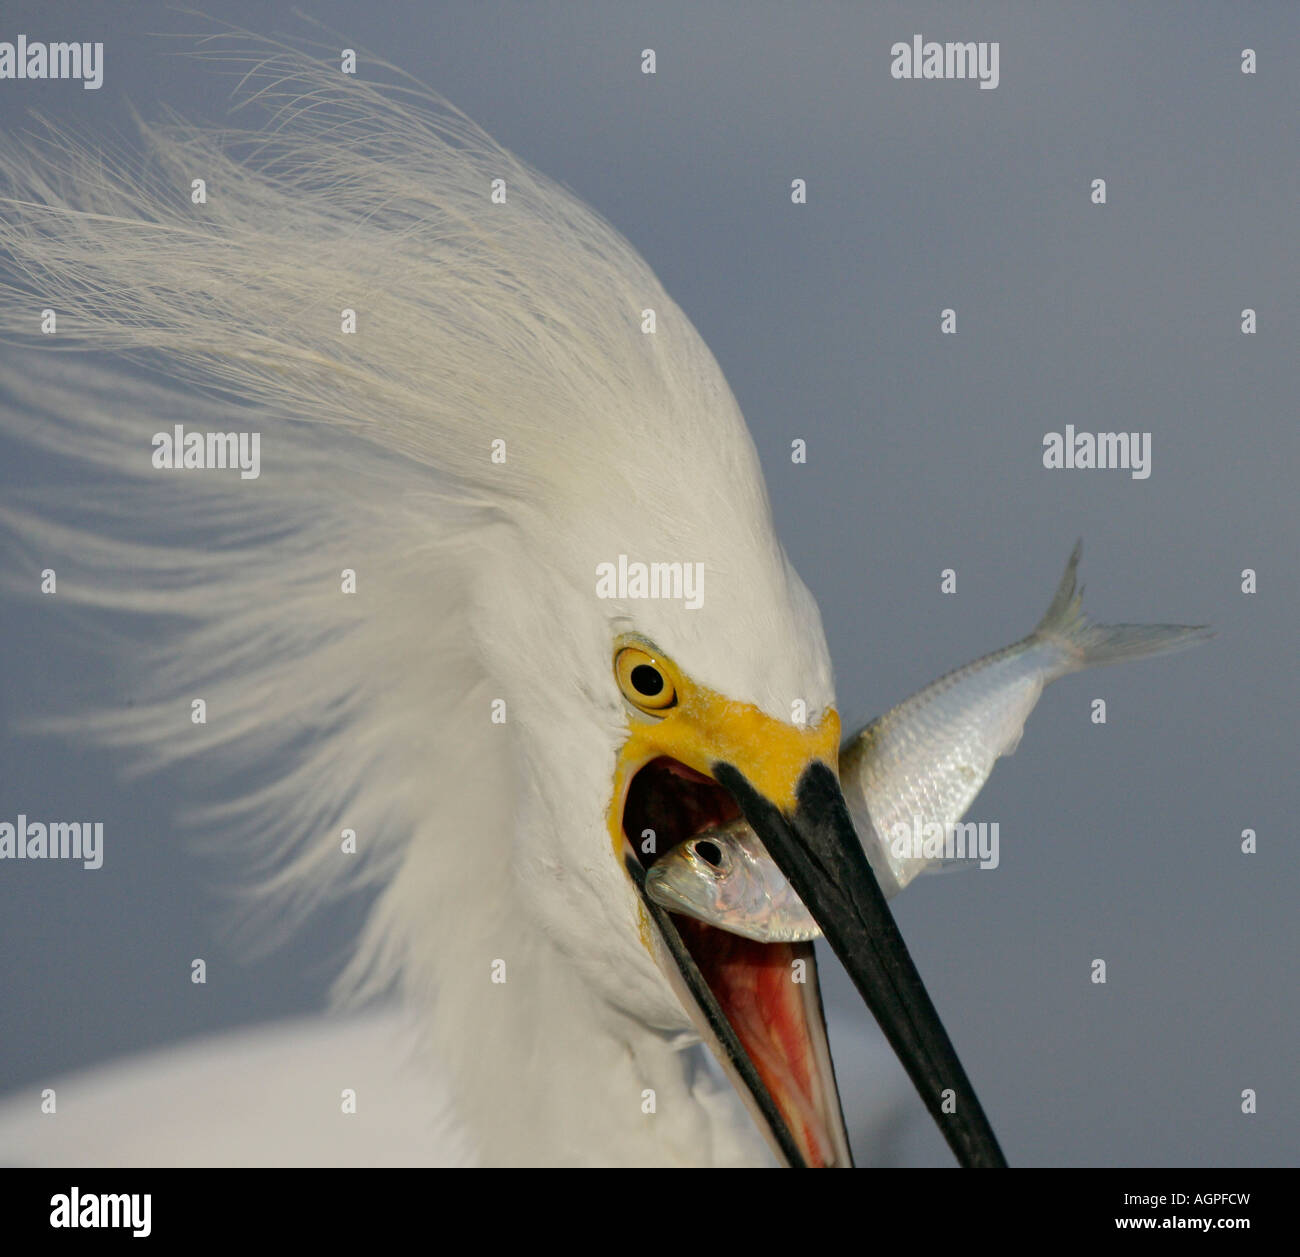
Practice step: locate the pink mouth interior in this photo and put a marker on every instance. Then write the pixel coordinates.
(752, 982)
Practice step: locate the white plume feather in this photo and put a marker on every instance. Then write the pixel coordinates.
(476, 322)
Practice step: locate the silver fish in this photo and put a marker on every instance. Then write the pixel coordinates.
(725, 877)
(922, 763)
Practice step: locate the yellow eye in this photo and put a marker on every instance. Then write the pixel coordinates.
(644, 680)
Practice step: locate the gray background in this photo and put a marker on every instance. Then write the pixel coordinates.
(924, 453)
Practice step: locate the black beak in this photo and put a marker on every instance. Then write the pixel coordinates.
(818, 850)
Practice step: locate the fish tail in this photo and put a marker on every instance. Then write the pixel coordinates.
(1084, 644)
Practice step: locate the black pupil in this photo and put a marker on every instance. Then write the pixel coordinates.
(709, 853)
(646, 680)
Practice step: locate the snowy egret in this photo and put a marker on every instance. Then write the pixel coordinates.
(502, 599)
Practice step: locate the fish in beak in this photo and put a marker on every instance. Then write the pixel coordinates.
(698, 761)
(819, 851)
(766, 1029)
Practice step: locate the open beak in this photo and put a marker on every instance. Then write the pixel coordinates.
(768, 1032)
(700, 762)
(818, 850)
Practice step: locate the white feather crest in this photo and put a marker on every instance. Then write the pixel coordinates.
(376, 457)
(200, 585)
(475, 320)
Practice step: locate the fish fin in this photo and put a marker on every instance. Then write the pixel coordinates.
(1086, 644)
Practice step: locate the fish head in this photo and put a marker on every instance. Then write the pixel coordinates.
(700, 877)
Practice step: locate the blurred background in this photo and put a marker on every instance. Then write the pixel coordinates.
(1119, 841)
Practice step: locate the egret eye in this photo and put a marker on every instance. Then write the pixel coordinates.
(644, 680)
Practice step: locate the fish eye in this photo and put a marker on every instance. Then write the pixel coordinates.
(644, 680)
(710, 853)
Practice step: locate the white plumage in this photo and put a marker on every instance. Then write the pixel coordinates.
(470, 394)
(476, 322)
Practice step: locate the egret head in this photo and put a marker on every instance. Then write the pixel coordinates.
(643, 720)
(562, 513)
